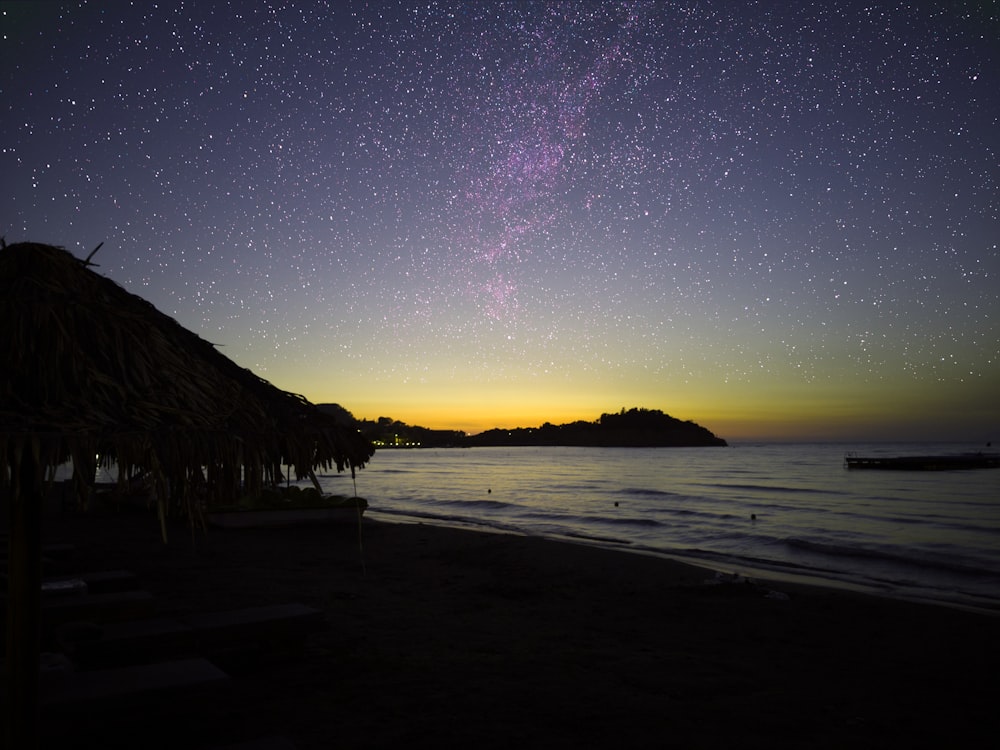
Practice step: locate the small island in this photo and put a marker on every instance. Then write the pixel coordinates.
(632, 428)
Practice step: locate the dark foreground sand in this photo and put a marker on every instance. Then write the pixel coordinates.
(452, 638)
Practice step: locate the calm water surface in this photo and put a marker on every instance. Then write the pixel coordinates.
(778, 510)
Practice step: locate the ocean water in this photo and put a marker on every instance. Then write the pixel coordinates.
(779, 511)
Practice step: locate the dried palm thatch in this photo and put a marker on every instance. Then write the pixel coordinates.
(88, 369)
(91, 369)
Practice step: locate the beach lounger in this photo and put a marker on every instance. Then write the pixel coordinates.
(103, 581)
(112, 686)
(55, 551)
(118, 709)
(63, 587)
(97, 608)
(135, 642)
(269, 627)
(98, 582)
(114, 607)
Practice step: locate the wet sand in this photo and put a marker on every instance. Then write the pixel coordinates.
(454, 638)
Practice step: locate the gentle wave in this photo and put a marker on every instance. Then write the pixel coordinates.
(634, 522)
(768, 488)
(641, 492)
(475, 505)
(838, 550)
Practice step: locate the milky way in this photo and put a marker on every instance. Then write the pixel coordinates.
(587, 205)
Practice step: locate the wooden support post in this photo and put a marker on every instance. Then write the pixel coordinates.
(24, 605)
(315, 481)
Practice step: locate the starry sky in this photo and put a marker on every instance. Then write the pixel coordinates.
(777, 219)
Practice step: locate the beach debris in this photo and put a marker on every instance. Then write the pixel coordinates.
(728, 578)
(736, 579)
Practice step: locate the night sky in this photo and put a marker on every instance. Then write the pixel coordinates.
(777, 219)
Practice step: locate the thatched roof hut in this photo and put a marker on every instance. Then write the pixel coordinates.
(89, 369)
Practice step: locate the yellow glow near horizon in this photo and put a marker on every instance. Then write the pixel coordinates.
(761, 409)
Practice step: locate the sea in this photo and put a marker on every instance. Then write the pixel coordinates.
(774, 512)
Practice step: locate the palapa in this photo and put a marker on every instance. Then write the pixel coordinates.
(90, 369)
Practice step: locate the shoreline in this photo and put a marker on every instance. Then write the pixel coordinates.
(775, 576)
(438, 635)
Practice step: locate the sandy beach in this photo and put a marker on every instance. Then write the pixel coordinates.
(454, 638)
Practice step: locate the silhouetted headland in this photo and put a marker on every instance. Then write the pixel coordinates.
(632, 428)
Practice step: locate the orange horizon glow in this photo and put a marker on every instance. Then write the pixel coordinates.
(776, 412)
